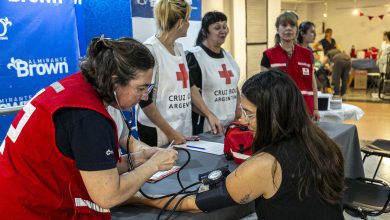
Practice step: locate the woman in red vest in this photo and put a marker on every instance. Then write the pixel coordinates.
(60, 158)
(293, 59)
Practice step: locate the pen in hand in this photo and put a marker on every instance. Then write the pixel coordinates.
(170, 145)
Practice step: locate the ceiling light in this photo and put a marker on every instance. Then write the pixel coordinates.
(355, 12)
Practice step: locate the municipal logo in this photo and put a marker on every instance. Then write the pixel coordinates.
(5, 23)
(41, 66)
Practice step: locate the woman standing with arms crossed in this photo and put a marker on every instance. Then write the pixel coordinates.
(293, 59)
(214, 75)
(166, 116)
(327, 43)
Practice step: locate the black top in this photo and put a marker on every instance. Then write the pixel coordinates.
(87, 137)
(326, 45)
(285, 204)
(196, 79)
(265, 61)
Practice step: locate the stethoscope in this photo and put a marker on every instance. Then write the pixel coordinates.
(128, 123)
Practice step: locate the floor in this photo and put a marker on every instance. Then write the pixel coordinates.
(373, 125)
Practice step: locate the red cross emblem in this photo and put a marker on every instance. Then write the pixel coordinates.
(182, 75)
(226, 74)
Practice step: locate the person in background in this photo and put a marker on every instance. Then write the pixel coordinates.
(307, 35)
(62, 161)
(290, 153)
(214, 75)
(293, 59)
(166, 116)
(385, 43)
(341, 66)
(322, 74)
(385, 51)
(327, 43)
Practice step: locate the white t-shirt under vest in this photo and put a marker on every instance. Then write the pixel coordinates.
(173, 97)
(219, 84)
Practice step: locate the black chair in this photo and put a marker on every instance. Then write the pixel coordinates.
(366, 197)
(379, 148)
(384, 82)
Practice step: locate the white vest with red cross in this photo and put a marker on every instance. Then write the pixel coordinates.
(300, 68)
(219, 84)
(173, 98)
(36, 180)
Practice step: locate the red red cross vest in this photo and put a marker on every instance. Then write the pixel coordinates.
(36, 180)
(299, 67)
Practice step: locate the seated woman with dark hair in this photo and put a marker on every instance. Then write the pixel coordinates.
(296, 171)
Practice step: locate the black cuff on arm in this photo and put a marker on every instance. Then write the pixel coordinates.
(216, 198)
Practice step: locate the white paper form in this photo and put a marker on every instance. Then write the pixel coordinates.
(203, 146)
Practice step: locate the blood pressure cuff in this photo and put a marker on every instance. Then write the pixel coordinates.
(215, 198)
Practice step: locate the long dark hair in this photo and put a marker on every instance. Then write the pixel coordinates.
(208, 19)
(302, 29)
(121, 58)
(282, 118)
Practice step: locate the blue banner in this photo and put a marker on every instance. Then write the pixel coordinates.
(41, 41)
(110, 17)
(38, 44)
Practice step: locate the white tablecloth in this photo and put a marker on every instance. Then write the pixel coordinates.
(347, 112)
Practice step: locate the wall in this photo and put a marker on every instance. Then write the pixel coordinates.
(274, 9)
(351, 30)
(303, 10)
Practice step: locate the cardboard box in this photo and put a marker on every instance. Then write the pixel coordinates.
(360, 82)
(360, 78)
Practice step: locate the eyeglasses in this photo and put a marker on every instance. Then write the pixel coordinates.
(247, 116)
(146, 91)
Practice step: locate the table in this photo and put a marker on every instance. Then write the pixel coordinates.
(347, 112)
(200, 163)
(345, 135)
(365, 64)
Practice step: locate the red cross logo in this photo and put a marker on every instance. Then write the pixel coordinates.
(182, 75)
(226, 74)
